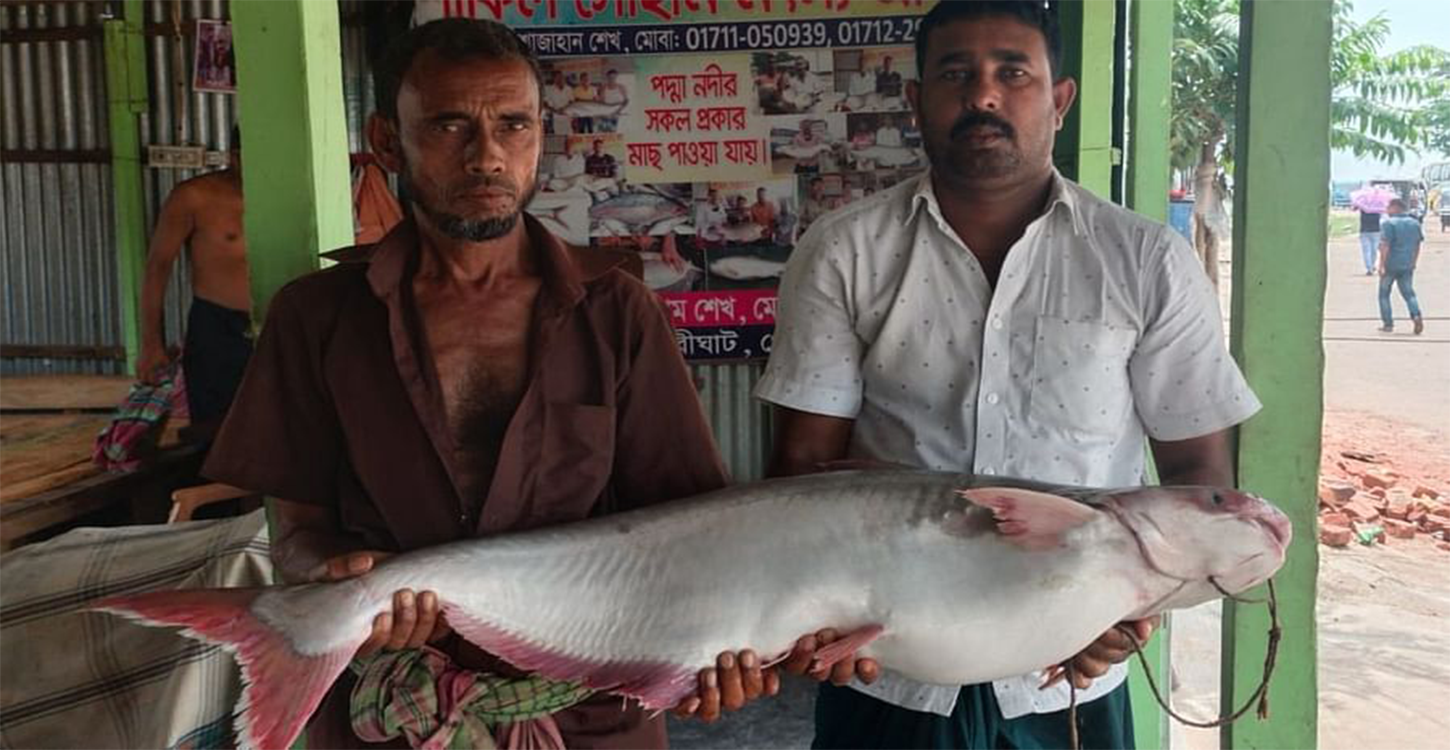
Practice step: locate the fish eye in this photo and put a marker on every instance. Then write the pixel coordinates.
(1217, 498)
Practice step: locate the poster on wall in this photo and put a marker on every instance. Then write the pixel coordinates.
(214, 63)
(708, 135)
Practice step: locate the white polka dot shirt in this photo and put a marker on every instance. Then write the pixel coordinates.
(1103, 330)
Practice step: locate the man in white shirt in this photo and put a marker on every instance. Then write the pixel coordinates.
(888, 135)
(992, 317)
(710, 216)
(565, 170)
(860, 91)
(568, 164)
(862, 82)
(613, 92)
(557, 95)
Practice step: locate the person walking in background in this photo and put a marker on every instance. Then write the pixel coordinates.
(1369, 238)
(1399, 252)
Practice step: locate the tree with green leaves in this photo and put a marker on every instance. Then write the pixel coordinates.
(1435, 115)
(1205, 86)
(1378, 106)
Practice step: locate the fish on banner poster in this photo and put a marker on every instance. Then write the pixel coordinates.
(708, 135)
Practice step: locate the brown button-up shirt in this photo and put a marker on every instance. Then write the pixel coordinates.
(341, 406)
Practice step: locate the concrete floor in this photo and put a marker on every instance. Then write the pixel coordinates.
(1397, 375)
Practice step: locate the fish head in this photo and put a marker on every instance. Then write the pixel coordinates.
(1208, 538)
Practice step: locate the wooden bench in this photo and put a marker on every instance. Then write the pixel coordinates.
(47, 480)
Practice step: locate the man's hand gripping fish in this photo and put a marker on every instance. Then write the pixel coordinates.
(944, 578)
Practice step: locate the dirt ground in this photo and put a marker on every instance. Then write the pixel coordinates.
(1384, 651)
(1384, 611)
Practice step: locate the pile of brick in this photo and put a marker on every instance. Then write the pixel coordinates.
(1374, 505)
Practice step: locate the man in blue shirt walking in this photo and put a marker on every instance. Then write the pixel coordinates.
(1400, 239)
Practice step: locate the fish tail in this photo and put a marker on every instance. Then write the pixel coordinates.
(283, 686)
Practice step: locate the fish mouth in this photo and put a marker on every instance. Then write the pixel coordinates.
(1278, 527)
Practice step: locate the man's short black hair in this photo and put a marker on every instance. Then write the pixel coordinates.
(1039, 14)
(455, 40)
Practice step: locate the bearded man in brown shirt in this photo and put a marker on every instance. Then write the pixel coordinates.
(467, 375)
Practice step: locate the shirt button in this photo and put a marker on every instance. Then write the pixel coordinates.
(988, 470)
(997, 323)
(992, 398)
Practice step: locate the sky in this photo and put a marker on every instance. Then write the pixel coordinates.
(1412, 22)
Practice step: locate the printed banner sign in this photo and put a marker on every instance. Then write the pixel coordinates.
(708, 135)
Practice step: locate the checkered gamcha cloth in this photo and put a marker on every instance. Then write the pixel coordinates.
(136, 425)
(422, 695)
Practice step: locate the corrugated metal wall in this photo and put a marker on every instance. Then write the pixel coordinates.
(179, 116)
(58, 256)
(57, 265)
(742, 425)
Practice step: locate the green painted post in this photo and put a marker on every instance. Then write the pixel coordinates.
(124, 47)
(1149, 103)
(295, 176)
(1282, 166)
(1084, 150)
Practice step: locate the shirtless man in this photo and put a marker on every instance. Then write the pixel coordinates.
(205, 215)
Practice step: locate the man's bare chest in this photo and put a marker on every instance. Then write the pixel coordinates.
(219, 236)
(480, 353)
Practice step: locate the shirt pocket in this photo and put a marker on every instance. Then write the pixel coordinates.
(576, 461)
(1080, 377)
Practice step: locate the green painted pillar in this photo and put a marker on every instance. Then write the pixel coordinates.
(1150, 102)
(1281, 168)
(1084, 148)
(295, 176)
(127, 98)
(1150, 50)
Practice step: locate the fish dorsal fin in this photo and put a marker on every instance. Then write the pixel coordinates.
(1030, 519)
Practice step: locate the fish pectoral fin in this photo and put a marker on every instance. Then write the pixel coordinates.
(844, 647)
(657, 684)
(1030, 519)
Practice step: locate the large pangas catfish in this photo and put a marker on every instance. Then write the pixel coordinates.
(944, 578)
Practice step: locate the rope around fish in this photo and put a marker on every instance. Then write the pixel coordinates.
(1260, 696)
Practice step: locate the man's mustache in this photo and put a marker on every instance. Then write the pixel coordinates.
(982, 120)
(475, 184)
